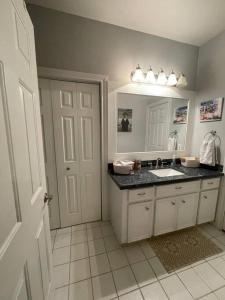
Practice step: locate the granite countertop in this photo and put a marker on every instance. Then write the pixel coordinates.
(143, 178)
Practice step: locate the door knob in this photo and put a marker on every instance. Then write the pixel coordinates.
(48, 198)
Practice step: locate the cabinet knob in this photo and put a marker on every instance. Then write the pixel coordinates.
(183, 201)
(146, 207)
(67, 168)
(205, 197)
(178, 187)
(173, 203)
(210, 182)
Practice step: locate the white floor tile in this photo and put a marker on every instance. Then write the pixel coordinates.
(62, 240)
(111, 243)
(53, 233)
(218, 243)
(153, 292)
(219, 265)
(79, 227)
(79, 237)
(210, 276)
(124, 280)
(147, 249)
(79, 270)
(96, 247)
(64, 230)
(61, 275)
(194, 283)
(143, 273)
(220, 293)
(209, 297)
(94, 224)
(103, 287)
(61, 256)
(117, 259)
(81, 291)
(61, 293)
(158, 268)
(211, 230)
(134, 254)
(99, 264)
(135, 295)
(175, 289)
(94, 233)
(107, 230)
(79, 251)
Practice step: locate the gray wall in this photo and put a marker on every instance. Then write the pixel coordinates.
(210, 83)
(70, 42)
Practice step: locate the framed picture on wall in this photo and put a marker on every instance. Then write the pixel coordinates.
(211, 110)
(180, 115)
(124, 120)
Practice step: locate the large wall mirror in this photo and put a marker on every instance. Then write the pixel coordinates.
(151, 123)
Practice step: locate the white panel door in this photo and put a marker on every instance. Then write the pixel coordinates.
(49, 150)
(77, 142)
(25, 250)
(157, 127)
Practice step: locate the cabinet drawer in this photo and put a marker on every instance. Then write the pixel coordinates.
(177, 189)
(211, 183)
(141, 194)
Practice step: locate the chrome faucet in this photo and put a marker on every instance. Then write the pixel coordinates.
(157, 162)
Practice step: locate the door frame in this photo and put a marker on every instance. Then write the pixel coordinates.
(102, 81)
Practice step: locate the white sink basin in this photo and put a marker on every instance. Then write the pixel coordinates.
(165, 172)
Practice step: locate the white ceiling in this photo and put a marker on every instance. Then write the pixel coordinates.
(189, 21)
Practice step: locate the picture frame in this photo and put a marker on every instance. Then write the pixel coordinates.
(211, 110)
(124, 120)
(180, 115)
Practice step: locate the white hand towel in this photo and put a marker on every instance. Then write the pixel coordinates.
(172, 144)
(208, 152)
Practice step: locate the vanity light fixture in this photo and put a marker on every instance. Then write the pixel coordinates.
(182, 81)
(161, 80)
(150, 77)
(138, 75)
(172, 80)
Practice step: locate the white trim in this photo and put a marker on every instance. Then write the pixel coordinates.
(102, 80)
(147, 90)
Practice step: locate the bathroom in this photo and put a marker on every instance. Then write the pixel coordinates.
(123, 145)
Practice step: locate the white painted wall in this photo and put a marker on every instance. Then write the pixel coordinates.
(210, 83)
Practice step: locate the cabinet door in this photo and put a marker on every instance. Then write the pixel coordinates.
(187, 210)
(165, 215)
(140, 220)
(207, 206)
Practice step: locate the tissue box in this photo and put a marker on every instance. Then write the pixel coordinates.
(190, 162)
(123, 167)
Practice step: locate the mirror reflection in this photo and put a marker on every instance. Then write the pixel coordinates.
(150, 123)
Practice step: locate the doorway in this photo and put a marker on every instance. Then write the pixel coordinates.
(72, 146)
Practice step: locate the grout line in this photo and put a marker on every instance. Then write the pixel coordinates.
(92, 287)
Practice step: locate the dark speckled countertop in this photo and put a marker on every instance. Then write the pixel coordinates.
(143, 178)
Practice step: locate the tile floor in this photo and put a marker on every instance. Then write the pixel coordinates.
(89, 264)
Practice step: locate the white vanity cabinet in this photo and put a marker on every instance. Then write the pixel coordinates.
(138, 214)
(208, 200)
(140, 221)
(175, 213)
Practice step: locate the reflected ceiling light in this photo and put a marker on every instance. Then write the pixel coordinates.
(172, 80)
(182, 81)
(162, 80)
(138, 75)
(150, 76)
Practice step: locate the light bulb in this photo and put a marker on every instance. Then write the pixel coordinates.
(150, 77)
(172, 80)
(138, 75)
(182, 81)
(162, 80)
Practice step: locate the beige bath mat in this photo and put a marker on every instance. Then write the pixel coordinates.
(181, 248)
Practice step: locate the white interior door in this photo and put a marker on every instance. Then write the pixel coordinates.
(49, 150)
(76, 118)
(157, 127)
(25, 250)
